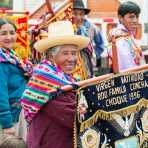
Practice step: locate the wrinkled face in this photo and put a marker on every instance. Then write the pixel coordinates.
(66, 58)
(130, 20)
(78, 16)
(7, 36)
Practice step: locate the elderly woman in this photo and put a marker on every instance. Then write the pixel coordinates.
(49, 112)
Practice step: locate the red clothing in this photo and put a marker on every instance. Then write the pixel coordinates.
(53, 125)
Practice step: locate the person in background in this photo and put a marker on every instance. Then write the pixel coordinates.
(13, 74)
(85, 28)
(129, 53)
(50, 111)
(122, 130)
(11, 141)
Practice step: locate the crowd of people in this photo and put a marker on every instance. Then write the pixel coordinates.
(34, 111)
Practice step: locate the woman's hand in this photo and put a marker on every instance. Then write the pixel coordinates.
(10, 131)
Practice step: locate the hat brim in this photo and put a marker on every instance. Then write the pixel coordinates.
(84, 9)
(44, 44)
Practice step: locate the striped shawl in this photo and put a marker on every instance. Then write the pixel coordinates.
(42, 87)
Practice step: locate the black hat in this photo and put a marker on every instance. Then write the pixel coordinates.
(78, 4)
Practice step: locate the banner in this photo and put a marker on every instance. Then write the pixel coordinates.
(22, 43)
(114, 112)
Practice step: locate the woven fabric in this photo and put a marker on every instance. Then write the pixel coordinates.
(42, 87)
(8, 55)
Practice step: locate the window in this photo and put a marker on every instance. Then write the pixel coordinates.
(6, 4)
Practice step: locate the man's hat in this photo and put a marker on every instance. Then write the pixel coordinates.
(78, 4)
(61, 33)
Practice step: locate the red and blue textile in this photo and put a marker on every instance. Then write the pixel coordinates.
(8, 55)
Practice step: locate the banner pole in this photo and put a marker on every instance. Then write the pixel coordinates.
(103, 77)
(13, 12)
(115, 63)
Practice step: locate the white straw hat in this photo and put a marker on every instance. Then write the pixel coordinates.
(61, 33)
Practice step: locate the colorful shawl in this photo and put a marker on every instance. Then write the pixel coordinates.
(8, 55)
(42, 87)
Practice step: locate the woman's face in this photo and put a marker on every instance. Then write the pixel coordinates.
(66, 58)
(130, 20)
(7, 36)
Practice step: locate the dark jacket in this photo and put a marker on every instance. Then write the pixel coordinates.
(53, 125)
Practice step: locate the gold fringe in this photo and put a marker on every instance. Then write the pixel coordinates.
(108, 115)
(80, 69)
(75, 133)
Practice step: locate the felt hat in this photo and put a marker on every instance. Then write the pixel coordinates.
(78, 4)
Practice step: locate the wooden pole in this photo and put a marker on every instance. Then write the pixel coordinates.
(103, 77)
(115, 63)
(13, 12)
(49, 6)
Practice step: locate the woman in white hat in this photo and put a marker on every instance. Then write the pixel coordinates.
(50, 114)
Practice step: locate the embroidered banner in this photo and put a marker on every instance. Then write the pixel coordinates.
(111, 112)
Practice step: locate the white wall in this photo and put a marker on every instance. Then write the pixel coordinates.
(27, 5)
(144, 19)
(32, 5)
(18, 5)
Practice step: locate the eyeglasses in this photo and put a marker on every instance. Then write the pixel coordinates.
(11, 32)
